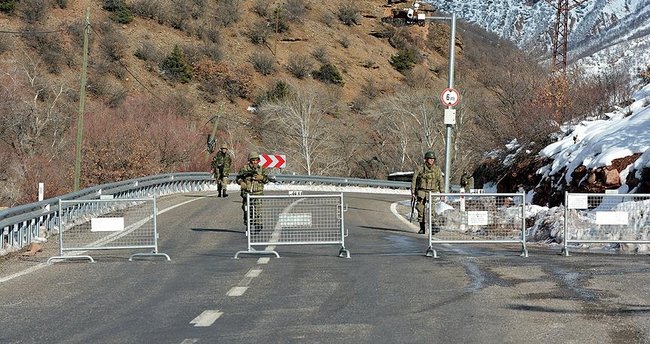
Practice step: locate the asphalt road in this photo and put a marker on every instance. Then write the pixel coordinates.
(387, 292)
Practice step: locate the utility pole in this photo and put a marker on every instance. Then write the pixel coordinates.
(213, 136)
(82, 103)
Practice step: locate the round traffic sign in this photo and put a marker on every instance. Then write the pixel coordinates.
(449, 97)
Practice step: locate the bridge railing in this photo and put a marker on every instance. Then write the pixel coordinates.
(21, 225)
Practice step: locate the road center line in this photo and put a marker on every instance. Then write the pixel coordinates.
(237, 291)
(207, 318)
(253, 273)
(190, 341)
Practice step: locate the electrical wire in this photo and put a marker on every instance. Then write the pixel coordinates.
(127, 69)
(30, 32)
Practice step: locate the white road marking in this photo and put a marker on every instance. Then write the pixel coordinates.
(393, 209)
(253, 273)
(237, 291)
(263, 260)
(190, 341)
(206, 318)
(24, 272)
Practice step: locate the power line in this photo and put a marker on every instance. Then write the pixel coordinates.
(128, 70)
(284, 133)
(30, 32)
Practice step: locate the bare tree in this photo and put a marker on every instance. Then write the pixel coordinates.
(33, 125)
(299, 124)
(412, 120)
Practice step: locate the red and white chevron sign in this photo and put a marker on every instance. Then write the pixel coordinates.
(273, 161)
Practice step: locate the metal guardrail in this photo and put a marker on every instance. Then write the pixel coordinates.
(22, 224)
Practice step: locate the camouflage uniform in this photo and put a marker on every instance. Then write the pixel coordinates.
(467, 181)
(221, 169)
(252, 178)
(427, 178)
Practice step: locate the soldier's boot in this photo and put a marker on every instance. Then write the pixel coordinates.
(224, 194)
(422, 228)
(219, 193)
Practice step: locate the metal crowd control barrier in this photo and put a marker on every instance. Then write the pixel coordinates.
(606, 218)
(488, 218)
(295, 220)
(107, 224)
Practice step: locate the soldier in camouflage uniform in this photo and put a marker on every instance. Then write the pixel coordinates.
(466, 181)
(427, 178)
(252, 178)
(221, 169)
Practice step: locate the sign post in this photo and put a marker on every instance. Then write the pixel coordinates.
(449, 97)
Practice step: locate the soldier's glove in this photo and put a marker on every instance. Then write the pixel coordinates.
(242, 184)
(258, 177)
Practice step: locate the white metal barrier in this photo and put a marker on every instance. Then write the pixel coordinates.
(606, 218)
(295, 220)
(476, 218)
(107, 224)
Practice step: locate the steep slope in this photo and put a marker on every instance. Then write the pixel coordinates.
(603, 33)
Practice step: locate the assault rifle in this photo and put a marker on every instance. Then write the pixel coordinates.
(412, 209)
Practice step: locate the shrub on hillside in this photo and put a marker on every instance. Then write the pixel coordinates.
(349, 13)
(147, 8)
(345, 42)
(295, 9)
(259, 33)
(645, 76)
(208, 32)
(219, 78)
(5, 43)
(32, 11)
(175, 68)
(403, 61)
(261, 7)
(48, 46)
(299, 66)
(279, 22)
(263, 63)
(228, 12)
(112, 43)
(104, 66)
(320, 54)
(148, 51)
(195, 52)
(120, 12)
(328, 73)
(8, 6)
(279, 91)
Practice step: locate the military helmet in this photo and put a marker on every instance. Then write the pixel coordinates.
(253, 155)
(224, 146)
(430, 155)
